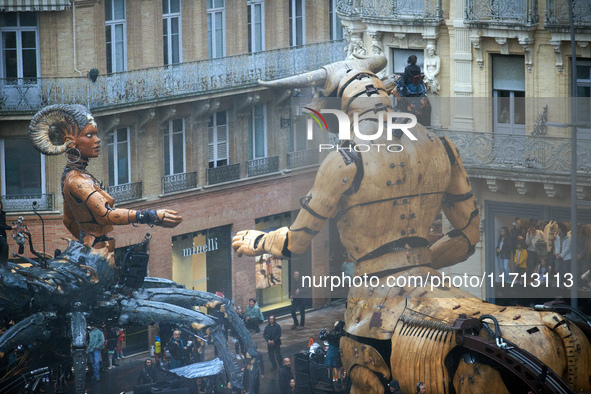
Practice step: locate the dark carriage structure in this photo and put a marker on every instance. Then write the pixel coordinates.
(53, 300)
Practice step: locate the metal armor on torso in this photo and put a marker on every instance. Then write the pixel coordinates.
(397, 198)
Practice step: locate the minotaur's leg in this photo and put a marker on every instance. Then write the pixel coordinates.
(478, 378)
(365, 381)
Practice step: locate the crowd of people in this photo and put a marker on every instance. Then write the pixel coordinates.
(540, 252)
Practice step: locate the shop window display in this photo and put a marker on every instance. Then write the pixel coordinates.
(272, 274)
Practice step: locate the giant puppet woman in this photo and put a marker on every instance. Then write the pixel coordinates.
(88, 209)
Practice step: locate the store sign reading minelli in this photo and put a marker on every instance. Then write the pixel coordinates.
(210, 244)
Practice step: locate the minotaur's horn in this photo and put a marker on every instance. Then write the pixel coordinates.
(51, 124)
(312, 78)
(318, 77)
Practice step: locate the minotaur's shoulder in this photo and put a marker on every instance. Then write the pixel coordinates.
(452, 151)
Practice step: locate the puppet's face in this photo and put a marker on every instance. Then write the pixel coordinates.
(88, 142)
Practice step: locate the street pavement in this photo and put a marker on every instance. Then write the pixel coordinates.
(121, 379)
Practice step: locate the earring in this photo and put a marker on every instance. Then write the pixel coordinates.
(70, 151)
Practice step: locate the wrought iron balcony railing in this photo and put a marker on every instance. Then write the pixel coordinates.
(264, 165)
(179, 182)
(502, 13)
(540, 154)
(24, 202)
(557, 14)
(302, 158)
(223, 174)
(393, 11)
(167, 82)
(126, 192)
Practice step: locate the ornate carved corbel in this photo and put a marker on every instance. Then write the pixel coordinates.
(553, 190)
(557, 45)
(523, 188)
(243, 103)
(167, 114)
(110, 124)
(496, 186)
(582, 192)
(585, 48)
(504, 44)
(145, 117)
(284, 96)
(527, 44)
(476, 41)
(377, 47)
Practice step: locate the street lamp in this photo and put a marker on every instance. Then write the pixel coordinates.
(573, 173)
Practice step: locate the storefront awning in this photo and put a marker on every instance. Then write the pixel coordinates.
(34, 5)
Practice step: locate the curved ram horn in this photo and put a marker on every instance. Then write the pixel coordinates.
(51, 124)
(318, 77)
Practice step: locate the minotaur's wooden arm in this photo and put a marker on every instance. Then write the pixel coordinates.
(460, 209)
(334, 177)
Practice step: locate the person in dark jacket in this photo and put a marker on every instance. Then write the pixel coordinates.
(285, 376)
(505, 252)
(333, 337)
(3, 240)
(147, 374)
(411, 70)
(177, 350)
(272, 335)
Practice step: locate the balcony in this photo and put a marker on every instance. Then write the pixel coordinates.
(168, 82)
(179, 182)
(262, 166)
(223, 174)
(418, 12)
(536, 157)
(302, 158)
(22, 202)
(126, 192)
(557, 19)
(503, 14)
